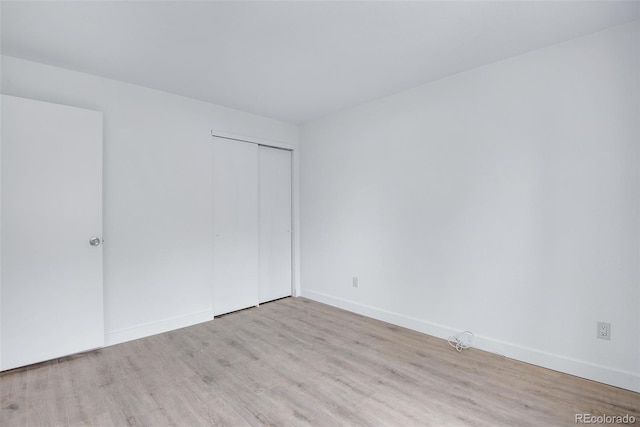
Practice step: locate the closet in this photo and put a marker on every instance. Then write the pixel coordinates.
(252, 242)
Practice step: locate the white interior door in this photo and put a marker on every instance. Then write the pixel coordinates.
(235, 224)
(275, 223)
(51, 193)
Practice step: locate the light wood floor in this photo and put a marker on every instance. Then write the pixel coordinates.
(298, 362)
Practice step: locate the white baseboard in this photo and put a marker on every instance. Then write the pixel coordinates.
(148, 329)
(579, 368)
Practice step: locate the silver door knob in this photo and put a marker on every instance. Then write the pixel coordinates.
(95, 241)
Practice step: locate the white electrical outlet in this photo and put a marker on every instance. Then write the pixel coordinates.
(604, 330)
(354, 282)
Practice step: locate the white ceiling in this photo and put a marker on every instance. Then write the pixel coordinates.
(294, 61)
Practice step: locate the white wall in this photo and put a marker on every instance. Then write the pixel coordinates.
(157, 191)
(503, 200)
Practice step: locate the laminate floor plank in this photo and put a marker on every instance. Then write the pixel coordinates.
(13, 398)
(255, 410)
(296, 362)
(83, 400)
(384, 409)
(301, 405)
(129, 402)
(102, 420)
(208, 404)
(47, 389)
(259, 376)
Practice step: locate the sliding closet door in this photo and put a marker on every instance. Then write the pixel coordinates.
(235, 224)
(275, 223)
(51, 294)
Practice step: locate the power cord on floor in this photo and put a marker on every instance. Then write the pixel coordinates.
(462, 340)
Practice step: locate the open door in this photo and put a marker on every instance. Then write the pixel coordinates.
(51, 296)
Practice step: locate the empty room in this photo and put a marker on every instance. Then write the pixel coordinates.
(319, 213)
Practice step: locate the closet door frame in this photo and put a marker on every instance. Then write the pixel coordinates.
(295, 202)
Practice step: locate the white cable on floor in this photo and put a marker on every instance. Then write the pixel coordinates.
(462, 340)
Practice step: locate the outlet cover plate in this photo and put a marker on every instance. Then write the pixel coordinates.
(604, 330)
